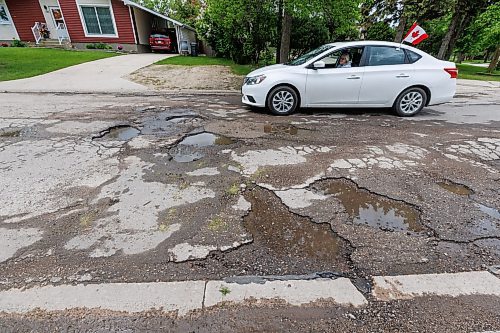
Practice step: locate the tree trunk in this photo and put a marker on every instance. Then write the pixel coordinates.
(401, 29)
(278, 29)
(461, 57)
(445, 44)
(494, 60)
(286, 30)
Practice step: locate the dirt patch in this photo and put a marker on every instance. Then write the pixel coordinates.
(172, 77)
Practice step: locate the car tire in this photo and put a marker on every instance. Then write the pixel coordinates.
(410, 102)
(282, 101)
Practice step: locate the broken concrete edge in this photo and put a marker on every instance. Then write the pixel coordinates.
(388, 288)
(183, 297)
(124, 93)
(180, 297)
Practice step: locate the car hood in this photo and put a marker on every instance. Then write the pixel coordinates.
(267, 69)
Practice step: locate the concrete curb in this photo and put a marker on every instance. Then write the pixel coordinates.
(386, 288)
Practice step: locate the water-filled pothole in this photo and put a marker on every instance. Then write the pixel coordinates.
(191, 148)
(491, 212)
(121, 133)
(288, 235)
(372, 209)
(169, 123)
(455, 188)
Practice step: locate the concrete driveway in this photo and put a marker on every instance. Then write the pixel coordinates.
(100, 76)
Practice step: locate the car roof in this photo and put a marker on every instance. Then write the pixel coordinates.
(376, 42)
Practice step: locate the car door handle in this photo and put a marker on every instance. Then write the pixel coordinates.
(402, 75)
(354, 77)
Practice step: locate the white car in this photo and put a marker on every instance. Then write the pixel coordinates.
(376, 74)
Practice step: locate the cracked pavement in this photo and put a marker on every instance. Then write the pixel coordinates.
(124, 188)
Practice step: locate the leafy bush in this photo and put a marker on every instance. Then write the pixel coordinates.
(98, 46)
(18, 43)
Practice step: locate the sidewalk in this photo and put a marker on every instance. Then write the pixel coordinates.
(105, 75)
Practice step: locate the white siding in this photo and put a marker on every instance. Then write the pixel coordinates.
(143, 22)
(8, 31)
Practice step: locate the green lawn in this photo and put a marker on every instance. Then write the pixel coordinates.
(23, 62)
(207, 61)
(470, 72)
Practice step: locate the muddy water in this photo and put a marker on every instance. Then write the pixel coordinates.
(373, 210)
(122, 133)
(289, 235)
(188, 150)
(455, 188)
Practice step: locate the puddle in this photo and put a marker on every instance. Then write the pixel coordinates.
(455, 188)
(188, 150)
(121, 133)
(289, 235)
(287, 129)
(373, 210)
(205, 139)
(491, 212)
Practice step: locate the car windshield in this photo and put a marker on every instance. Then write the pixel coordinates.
(309, 55)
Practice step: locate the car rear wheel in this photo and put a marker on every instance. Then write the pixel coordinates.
(410, 102)
(282, 101)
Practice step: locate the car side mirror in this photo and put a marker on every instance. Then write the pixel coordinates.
(319, 64)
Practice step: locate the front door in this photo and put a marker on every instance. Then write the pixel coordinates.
(339, 82)
(56, 15)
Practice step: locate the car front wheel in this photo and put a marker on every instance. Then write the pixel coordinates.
(282, 101)
(410, 102)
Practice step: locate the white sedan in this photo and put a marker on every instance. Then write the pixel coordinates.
(363, 74)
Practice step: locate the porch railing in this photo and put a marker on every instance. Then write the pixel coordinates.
(36, 32)
(62, 33)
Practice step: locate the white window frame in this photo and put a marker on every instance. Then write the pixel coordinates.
(9, 18)
(82, 19)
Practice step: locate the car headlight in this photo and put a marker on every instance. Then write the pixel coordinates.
(251, 80)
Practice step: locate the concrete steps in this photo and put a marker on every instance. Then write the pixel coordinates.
(54, 44)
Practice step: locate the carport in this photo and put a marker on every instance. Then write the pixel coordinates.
(147, 21)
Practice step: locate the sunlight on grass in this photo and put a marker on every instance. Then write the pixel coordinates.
(18, 63)
(470, 72)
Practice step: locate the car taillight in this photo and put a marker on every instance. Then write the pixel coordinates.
(452, 71)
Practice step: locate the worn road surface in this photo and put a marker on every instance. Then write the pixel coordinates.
(100, 190)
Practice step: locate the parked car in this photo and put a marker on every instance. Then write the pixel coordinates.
(377, 74)
(161, 42)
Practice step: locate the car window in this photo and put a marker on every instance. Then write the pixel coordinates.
(413, 56)
(352, 54)
(385, 55)
(308, 56)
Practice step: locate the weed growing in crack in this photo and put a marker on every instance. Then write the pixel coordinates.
(217, 224)
(224, 290)
(87, 219)
(234, 189)
(163, 227)
(10, 133)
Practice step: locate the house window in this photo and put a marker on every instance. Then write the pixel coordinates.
(4, 18)
(98, 20)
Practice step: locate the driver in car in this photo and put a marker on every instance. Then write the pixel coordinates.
(344, 61)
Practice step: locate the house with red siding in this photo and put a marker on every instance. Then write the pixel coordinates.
(82, 22)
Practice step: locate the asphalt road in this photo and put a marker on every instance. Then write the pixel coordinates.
(104, 188)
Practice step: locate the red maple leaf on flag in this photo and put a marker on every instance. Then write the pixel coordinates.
(415, 34)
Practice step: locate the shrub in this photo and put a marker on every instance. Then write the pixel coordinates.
(5, 44)
(98, 46)
(18, 43)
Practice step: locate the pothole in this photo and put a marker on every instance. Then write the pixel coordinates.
(191, 148)
(289, 235)
(120, 133)
(455, 188)
(371, 209)
(168, 123)
(286, 129)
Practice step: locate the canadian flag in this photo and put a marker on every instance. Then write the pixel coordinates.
(415, 35)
